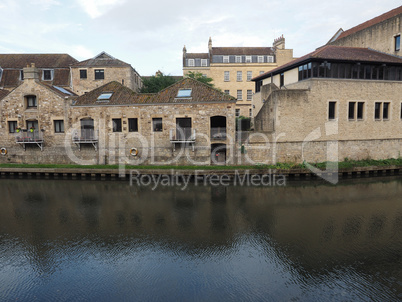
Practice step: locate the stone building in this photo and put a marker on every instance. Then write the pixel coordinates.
(344, 100)
(232, 68)
(187, 123)
(382, 33)
(103, 68)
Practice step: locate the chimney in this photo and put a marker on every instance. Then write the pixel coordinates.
(31, 72)
(210, 45)
(279, 43)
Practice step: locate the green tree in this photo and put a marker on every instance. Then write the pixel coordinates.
(199, 77)
(157, 82)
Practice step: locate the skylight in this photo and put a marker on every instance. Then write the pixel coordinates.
(63, 90)
(105, 96)
(184, 93)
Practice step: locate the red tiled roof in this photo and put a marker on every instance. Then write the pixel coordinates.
(336, 53)
(374, 21)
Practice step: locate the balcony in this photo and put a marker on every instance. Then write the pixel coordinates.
(218, 133)
(24, 137)
(182, 136)
(85, 136)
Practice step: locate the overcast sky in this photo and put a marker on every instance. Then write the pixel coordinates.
(150, 34)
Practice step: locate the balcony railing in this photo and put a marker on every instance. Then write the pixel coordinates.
(218, 133)
(182, 135)
(85, 136)
(24, 137)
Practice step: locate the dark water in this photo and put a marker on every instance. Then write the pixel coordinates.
(107, 241)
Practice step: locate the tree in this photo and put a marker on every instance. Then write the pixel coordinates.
(200, 77)
(157, 82)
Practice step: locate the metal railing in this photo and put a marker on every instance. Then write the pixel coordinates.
(218, 133)
(84, 136)
(182, 135)
(28, 136)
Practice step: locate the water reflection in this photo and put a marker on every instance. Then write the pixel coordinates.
(300, 242)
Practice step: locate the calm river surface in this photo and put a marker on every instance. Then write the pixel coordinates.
(106, 241)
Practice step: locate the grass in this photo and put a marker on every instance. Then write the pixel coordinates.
(346, 164)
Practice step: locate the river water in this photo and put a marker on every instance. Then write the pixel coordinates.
(68, 240)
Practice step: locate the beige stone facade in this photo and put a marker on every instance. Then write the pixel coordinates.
(232, 68)
(382, 33)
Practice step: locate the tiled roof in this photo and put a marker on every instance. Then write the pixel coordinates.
(10, 78)
(20, 61)
(336, 53)
(197, 56)
(374, 21)
(242, 51)
(122, 95)
(102, 60)
(3, 93)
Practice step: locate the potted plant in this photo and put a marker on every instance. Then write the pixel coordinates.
(32, 129)
(18, 130)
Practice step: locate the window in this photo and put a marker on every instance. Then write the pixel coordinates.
(238, 59)
(331, 110)
(58, 126)
(99, 74)
(12, 126)
(21, 75)
(204, 62)
(31, 101)
(260, 59)
(83, 73)
(351, 114)
(248, 59)
(249, 75)
(397, 43)
(225, 59)
(360, 110)
(227, 91)
(377, 110)
(250, 112)
(184, 93)
(270, 59)
(239, 94)
(226, 76)
(116, 124)
(239, 76)
(249, 95)
(237, 112)
(104, 97)
(191, 62)
(282, 79)
(385, 111)
(1, 72)
(47, 74)
(157, 124)
(132, 125)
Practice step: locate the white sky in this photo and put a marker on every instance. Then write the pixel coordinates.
(150, 35)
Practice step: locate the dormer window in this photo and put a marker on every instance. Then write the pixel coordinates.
(1, 73)
(204, 62)
(184, 93)
(47, 74)
(191, 62)
(225, 59)
(260, 59)
(21, 75)
(104, 97)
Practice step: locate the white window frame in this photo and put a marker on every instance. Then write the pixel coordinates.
(51, 74)
(260, 59)
(240, 94)
(239, 76)
(191, 63)
(226, 59)
(226, 76)
(249, 59)
(249, 76)
(270, 59)
(249, 94)
(238, 59)
(204, 62)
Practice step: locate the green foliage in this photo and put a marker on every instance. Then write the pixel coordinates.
(157, 83)
(199, 77)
